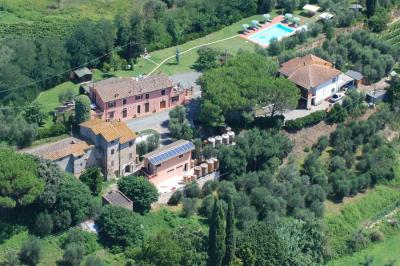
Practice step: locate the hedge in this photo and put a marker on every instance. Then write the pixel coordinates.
(307, 121)
(53, 131)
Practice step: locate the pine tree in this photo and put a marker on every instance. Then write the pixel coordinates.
(216, 244)
(230, 237)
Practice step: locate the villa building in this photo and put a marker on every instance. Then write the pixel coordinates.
(115, 145)
(316, 78)
(127, 98)
(167, 165)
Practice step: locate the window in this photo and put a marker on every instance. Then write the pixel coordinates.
(112, 163)
(124, 113)
(111, 104)
(112, 151)
(175, 98)
(180, 156)
(130, 155)
(186, 167)
(163, 92)
(111, 115)
(130, 143)
(170, 170)
(147, 96)
(124, 101)
(138, 97)
(180, 166)
(146, 107)
(138, 109)
(158, 165)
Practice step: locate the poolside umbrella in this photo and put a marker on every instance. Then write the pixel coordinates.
(245, 26)
(296, 20)
(254, 23)
(288, 16)
(267, 16)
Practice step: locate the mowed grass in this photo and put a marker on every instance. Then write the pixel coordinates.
(382, 253)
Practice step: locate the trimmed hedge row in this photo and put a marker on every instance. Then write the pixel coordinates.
(53, 131)
(307, 121)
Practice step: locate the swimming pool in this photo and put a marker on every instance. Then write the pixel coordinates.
(265, 36)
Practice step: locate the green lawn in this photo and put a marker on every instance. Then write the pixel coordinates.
(382, 253)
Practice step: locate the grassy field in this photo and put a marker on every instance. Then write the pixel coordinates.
(382, 253)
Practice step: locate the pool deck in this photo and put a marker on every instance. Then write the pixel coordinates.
(275, 20)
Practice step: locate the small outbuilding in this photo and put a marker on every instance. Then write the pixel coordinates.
(376, 96)
(356, 76)
(117, 198)
(326, 16)
(82, 75)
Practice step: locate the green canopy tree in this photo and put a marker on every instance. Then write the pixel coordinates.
(33, 113)
(82, 109)
(230, 236)
(19, 182)
(140, 191)
(93, 178)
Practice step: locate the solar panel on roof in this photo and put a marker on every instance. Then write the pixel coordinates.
(166, 155)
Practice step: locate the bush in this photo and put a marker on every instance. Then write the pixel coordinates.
(176, 198)
(307, 121)
(93, 178)
(53, 131)
(192, 190)
(189, 207)
(73, 255)
(43, 224)
(358, 241)
(82, 238)
(377, 236)
(31, 252)
(337, 114)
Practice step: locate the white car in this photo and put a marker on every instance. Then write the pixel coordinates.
(337, 96)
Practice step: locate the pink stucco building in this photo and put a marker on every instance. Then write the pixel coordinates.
(127, 98)
(169, 162)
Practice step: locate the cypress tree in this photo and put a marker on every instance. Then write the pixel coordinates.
(230, 237)
(216, 242)
(371, 7)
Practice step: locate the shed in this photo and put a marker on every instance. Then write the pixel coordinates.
(117, 198)
(376, 96)
(357, 76)
(82, 75)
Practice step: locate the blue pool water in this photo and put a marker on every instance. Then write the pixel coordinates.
(265, 36)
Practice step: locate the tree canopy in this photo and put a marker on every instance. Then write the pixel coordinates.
(244, 82)
(19, 181)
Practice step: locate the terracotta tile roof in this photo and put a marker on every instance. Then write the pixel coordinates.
(118, 88)
(62, 149)
(110, 130)
(309, 71)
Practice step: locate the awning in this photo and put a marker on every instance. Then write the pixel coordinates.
(343, 80)
(311, 8)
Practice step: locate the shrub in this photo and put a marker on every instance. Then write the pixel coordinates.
(82, 238)
(377, 236)
(93, 178)
(73, 255)
(43, 224)
(31, 252)
(192, 190)
(358, 241)
(189, 207)
(176, 198)
(53, 131)
(307, 121)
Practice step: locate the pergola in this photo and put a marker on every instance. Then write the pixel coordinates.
(311, 8)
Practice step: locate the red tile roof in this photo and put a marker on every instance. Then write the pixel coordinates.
(308, 71)
(118, 88)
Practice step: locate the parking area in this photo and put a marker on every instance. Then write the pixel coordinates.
(159, 121)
